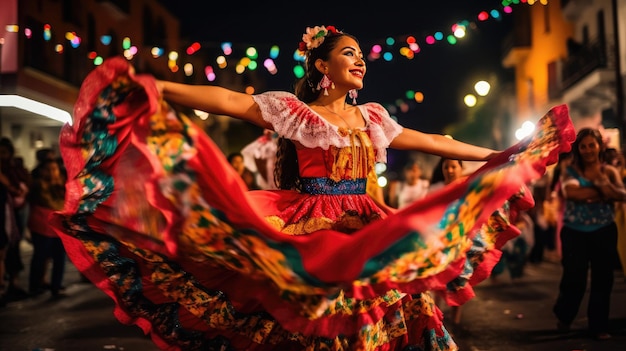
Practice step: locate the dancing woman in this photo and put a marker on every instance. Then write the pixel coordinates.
(157, 218)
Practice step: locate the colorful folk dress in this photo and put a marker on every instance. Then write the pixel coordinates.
(157, 218)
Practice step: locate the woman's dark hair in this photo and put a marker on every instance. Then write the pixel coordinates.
(585, 132)
(437, 175)
(232, 156)
(8, 144)
(286, 170)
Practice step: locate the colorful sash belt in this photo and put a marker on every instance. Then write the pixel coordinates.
(327, 186)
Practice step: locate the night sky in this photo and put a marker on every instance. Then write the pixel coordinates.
(444, 73)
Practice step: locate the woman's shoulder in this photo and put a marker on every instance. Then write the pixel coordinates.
(277, 94)
(376, 113)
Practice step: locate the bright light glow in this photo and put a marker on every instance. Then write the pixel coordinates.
(274, 51)
(525, 130)
(193, 48)
(252, 53)
(419, 97)
(201, 114)
(380, 168)
(106, 39)
(35, 107)
(459, 32)
(227, 48)
(470, 100)
(209, 73)
(482, 88)
(126, 43)
(270, 66)
(188, 69)
(382, 181)
(156, 51)
(297, 56)
(298, 71)
(221, 62)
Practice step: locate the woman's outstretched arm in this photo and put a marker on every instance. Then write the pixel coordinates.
(442, 146)
(213, 99)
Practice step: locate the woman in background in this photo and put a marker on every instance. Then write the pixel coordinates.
(589, 234)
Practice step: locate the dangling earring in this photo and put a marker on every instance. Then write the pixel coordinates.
(353, 93)
(325, 83)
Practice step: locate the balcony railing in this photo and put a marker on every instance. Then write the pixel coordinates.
(586, 59)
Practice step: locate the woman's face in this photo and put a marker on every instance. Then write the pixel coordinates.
(589, 149)
(413, 174)
(346, 67)
(51, 171)
(237, 163)
(452, 170)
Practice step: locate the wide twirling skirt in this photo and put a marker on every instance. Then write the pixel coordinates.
(157, 219)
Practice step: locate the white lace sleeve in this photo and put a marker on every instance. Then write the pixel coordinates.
(382, 129)
(293, 119)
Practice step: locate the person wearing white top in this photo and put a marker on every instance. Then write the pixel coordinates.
(411, 189)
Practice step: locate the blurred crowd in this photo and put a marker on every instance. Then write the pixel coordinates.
(27, 198)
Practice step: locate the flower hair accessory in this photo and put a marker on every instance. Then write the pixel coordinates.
(314, 37)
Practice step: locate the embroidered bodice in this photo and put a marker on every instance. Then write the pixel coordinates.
(325, 150)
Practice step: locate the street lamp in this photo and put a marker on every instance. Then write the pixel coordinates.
(482, 88)
(470, 100)
(525, 130)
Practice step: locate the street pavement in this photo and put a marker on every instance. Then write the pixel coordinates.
(505, 315)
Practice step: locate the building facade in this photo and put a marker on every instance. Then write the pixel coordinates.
(572, 52)
(47, 47)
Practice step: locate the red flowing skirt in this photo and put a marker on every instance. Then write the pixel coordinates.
(156, 217)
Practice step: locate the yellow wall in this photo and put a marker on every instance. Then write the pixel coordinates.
(547, 45)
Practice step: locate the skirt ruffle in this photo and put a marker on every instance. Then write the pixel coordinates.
(156, 217)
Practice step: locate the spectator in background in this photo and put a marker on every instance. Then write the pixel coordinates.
(616, 159)
(47, 196)
(410, 189)
(236, 160)
(445, 172)
(544, 221)
(42, 155)
(589, 234)
(14, 183)
(260, 157)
